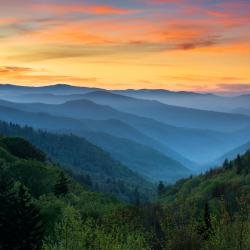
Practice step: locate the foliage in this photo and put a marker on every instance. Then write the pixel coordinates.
(89, 164)
(21, 226)
(22, 149)
(61, 187)
(210, 211)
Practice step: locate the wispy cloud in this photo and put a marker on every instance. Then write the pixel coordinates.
(89, 9)
(196, 44)
(206, 78)
(25, 75)
(60, 51)
(14, 70)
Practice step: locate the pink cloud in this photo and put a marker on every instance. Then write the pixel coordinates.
(90, 9)
(10, 20)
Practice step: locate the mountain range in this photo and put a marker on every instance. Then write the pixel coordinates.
(191, 143)
(108, 142)
(136, 127)
(60, 93)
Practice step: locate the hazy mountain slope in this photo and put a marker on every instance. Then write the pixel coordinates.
(53, 94)
(243, 111)
(186, 141)
(172, 115)
(39, 120)
(47, 98)
(199, 145)
(121, 129)
(140, 158)
(206, 101)
(31, 98)
(110, 143)
(61, 92)
(88, 109)
(74, 109)
(50, 89)
(177, 116)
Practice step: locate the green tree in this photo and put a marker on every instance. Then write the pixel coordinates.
(207, 225)
(61, 187)
(21, 227)
(23, 149)
(6, 209)
(28, 226)
(239, 164)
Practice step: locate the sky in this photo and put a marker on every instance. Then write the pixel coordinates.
(191, 45)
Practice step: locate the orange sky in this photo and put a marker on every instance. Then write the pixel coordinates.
(193, 45)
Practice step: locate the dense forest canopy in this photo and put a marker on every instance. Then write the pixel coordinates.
(48, 209)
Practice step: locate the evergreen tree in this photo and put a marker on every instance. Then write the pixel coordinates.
(6, 209)
(23, 149)
(61, 187)
(207, 222)
(161, 188)
(22, 227)
(28, 232)
(239, 164)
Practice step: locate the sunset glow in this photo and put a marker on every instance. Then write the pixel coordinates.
(171, 44)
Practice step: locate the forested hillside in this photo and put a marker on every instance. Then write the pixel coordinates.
(212, 211)
(91, 165)
(44, 208)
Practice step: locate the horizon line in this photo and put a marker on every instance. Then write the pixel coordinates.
(218, 93)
